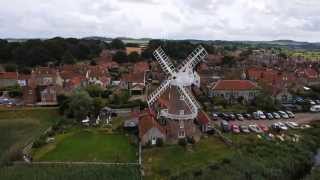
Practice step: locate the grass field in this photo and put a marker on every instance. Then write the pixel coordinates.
(68, 172)
(18, 126)
(88, 145)
(174, 159)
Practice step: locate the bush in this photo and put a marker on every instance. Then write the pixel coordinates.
(182, 142)
(191, 140)
(159, 142)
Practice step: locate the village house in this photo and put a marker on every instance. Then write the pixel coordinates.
(8, 79)
(150, 130)
(233, 90)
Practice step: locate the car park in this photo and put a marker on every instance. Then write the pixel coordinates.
(283, 114)
(235, 128)
(269, 116)
(240, 117)
(244, 129)
(276, 115)
(225, 126)
(290, 114)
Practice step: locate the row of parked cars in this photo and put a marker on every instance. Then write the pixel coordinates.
(279, 126)
(255, 115)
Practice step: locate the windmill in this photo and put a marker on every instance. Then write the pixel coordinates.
(182, 104)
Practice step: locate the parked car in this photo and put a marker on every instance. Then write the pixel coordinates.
(247, 116)
(225, 116)
(255, 128)
(279, 126)
(255, 116)
(317, 101)
(269, 116)
(315, 108)
(232, 117)
(240, 117)
(214, 116)
(264, 128)
(311, 102)
(282, 126)
(235, 128)
(244, 129)
(290, 114)
(292, 125)
(276, 115)
(225, 126)
(261, 115)
(283, 114)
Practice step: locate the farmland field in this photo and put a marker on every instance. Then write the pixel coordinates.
(88, 145)
(19, 126)
(69, 172)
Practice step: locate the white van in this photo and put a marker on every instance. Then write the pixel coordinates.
(315, 108)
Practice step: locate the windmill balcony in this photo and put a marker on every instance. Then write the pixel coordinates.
(165, 113)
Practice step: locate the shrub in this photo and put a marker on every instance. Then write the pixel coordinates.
(182, 142)
(159, 142)
(191, 140)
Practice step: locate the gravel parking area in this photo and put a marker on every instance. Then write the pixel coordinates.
(300, 118)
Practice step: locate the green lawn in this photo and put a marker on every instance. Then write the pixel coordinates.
(174, 159)
(69, 172)
(88, 145)
(19, 126)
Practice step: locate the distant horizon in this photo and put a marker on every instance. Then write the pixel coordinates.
(123, 37)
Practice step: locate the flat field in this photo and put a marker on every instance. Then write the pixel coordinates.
(19, 126)
(88, 145)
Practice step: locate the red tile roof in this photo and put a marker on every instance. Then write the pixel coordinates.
(8, 75)
(140, 67)
(239, 85)
(146, 122)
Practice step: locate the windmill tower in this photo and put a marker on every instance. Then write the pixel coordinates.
(182, 104)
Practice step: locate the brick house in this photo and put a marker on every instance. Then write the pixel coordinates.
(232, 90)
(150, 130)
(8, 79)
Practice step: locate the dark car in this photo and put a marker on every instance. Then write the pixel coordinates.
(247, 116)
(225, 126)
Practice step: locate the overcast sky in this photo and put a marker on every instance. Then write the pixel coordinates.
(174, 19)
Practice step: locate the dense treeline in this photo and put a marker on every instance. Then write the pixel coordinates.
(57, 50)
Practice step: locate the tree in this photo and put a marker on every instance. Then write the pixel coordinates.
(120, 57)
(10, 68)
(133, 57)
(14, 91)
(80, 106)
(94, 90)
(117, 44)
(68, 58)
(98, 104)
(265, 102)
